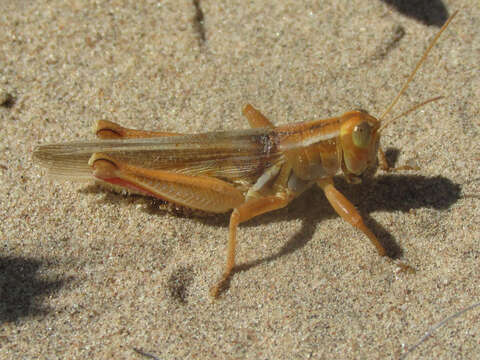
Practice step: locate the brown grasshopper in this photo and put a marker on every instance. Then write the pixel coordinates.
(251, 171)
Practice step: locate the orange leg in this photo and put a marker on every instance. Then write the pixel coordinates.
(241, 214)
(347, 211)
(196, 192)
(255, 118)
(109, 130)
(382, 160)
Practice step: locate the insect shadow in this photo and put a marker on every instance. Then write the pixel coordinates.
(385, 192)
(429, 12)
(391, 192)
(21, 291)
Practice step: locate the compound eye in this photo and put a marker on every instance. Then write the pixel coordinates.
(362, 134)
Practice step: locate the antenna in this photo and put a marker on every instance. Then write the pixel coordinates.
(422, 60)
(413, 108)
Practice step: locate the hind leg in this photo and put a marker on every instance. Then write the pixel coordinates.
(109, 130)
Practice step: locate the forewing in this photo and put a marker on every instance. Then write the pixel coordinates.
(235, 156)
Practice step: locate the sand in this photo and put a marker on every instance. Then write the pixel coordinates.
(90, 274)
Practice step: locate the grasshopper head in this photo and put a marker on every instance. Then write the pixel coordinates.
(359, 138)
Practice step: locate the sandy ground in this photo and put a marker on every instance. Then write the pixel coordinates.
(86, 273)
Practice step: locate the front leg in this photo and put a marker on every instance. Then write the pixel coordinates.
(245, 212)
(385, 166)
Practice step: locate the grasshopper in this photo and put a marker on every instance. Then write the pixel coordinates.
(248, 172)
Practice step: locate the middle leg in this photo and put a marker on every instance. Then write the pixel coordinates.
(255, 118)
(245, 212)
